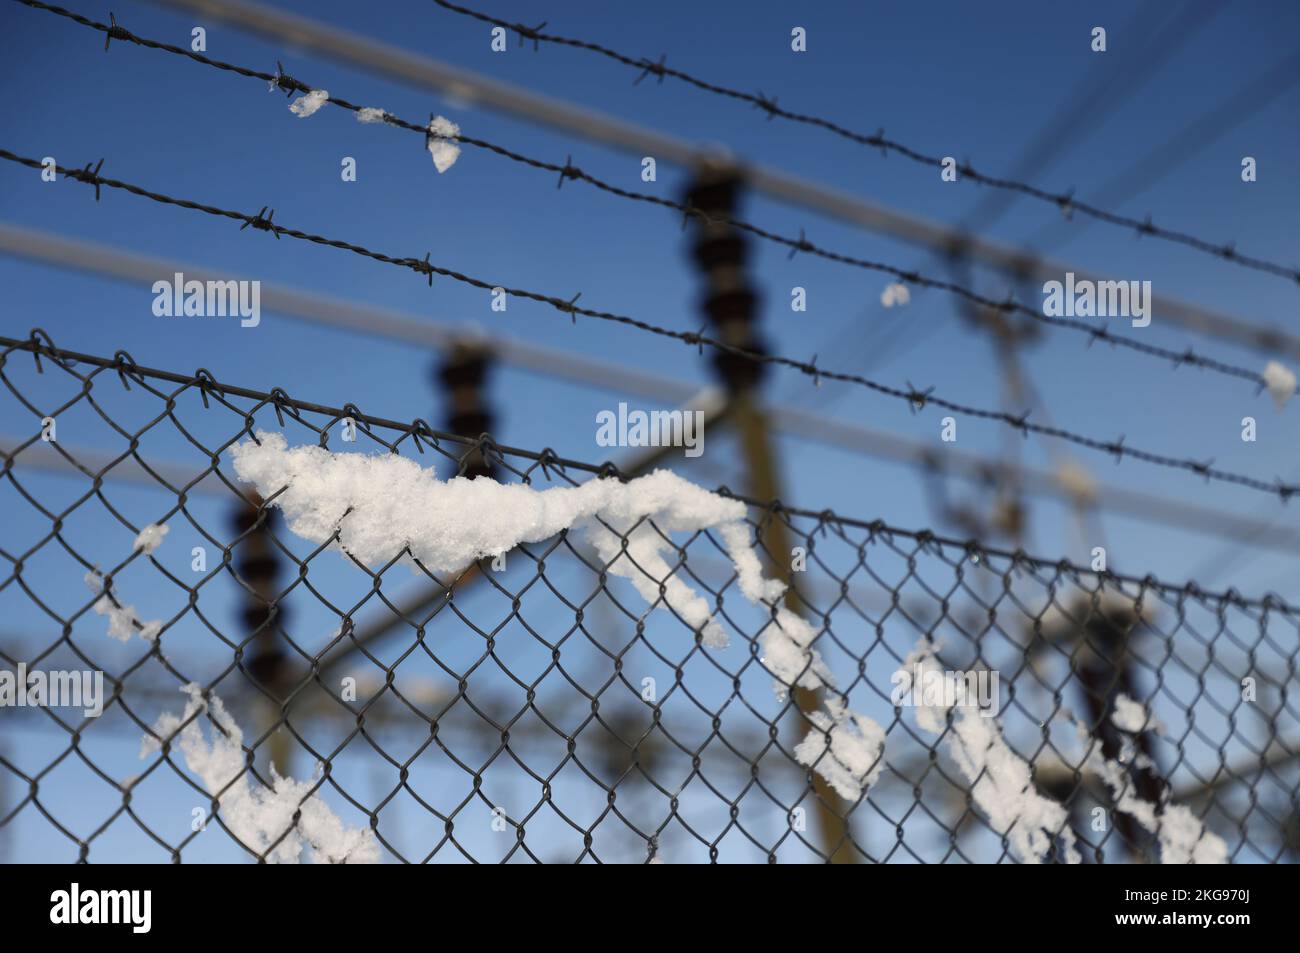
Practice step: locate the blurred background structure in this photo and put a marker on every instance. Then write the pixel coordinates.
(492, 690)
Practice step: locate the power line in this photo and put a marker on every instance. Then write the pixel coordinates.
(568, 171)
(426, 72)
(1071, 123)
(96, 464)
(1089, 101)
(1074, 121)
(1224, 558)
(334, 312)
(1065, 201)
(916, 399)
(1188, 142)
(1156, 164)
(419, 432)
(559, 364)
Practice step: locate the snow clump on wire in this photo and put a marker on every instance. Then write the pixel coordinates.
(1002, 784)
(257, 815)
(150, 538)
(393, 505)
(123, 621)
(308, 104)
(440, 141)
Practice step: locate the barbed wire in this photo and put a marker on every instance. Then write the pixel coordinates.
(568, 171)
(916, 398)
(39, 343)
(533, 726)
(1065, 201)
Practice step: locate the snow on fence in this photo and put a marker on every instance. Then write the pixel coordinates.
(314, 644)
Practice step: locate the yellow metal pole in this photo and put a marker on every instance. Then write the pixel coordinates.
(834, 832)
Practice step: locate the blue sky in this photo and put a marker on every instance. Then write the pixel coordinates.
(973, 81)
(195, 132)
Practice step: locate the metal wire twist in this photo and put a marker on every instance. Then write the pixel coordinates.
(507, 716)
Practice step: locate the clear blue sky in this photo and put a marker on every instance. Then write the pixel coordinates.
(973, 81)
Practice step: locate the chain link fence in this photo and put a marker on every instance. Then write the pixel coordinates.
(535, 708)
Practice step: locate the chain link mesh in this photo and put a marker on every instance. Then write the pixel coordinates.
(535, 708)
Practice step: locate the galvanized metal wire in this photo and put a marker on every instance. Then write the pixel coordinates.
(1064, 201)
(567, 171)
(539, 710)
(916, 398)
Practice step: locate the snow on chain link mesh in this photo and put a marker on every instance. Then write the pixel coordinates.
(378, 508)
(1068, 628)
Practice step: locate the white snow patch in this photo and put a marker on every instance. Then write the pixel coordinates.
(895, 294)
(150, 538)
(371, 114)
(122, 619)
(1002, 785)
(445, 152)
(1280, 382)
(394, 507)
(846, 750)
(397, 506)
(308, 104)
(1129, 715)
(259, 815)
(1183, 838)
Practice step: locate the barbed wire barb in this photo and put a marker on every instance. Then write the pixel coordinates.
(687, 211)
(769, 106)
(911, 395)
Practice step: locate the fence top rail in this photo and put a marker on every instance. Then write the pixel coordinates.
(40, 344)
